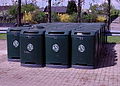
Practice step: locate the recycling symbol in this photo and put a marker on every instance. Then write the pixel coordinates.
(81, 48)
(30, 47)
(55, 48)
(15, 43)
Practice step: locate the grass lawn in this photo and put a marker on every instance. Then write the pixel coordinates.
(2, 36)
(113, 39)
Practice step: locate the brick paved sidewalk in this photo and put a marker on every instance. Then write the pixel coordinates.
(108, 73)
(115, 25)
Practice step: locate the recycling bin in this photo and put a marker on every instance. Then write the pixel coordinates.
(58, 49)
(32, 49)
(84, 48)
(13, 43)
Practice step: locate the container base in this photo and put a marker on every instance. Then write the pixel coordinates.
(32, 65)
(14, 60)
(57, 66)
(83, 67)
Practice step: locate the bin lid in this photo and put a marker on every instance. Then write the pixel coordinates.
(83, 33)
(14, 30)
(33, 32)
(71, 26)
(17, 28)
(59, 26)
(57, 32)
(38, 27)
(89, 27)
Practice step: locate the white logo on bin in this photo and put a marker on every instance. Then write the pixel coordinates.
(15, 43)
(81, 48)
(30, 47)
(55, 47)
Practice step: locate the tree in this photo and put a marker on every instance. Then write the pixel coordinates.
(13, 11)
(94, 8)
(100, 9)
(57, 2)
(49, 11)
(79, 10)
(109, 20)
(28, 8)
(28, 2)
(71, 7)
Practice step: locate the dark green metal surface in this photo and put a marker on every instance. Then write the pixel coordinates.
(32, 49)
(58, 47)
(83, 48)
(13, 42)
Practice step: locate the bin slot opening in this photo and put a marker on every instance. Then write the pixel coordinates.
(15, 57)
(31, 32)
(30, 63)
(39, 27)
(56, 32)
(15, 31)
(56, 63)
(82, 33)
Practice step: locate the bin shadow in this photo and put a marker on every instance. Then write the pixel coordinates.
(109, 56)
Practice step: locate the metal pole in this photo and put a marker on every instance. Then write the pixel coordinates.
(79, 11)
(19, 13)
(49, 11)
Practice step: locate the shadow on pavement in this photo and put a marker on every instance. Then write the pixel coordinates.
(109, 57)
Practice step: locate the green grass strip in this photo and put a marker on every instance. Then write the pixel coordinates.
(113, 39)
(3, 36)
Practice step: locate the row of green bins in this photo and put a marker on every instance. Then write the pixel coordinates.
(86, 44)
(58, 47)
(13, 43)
(32, 47)
(53, 44)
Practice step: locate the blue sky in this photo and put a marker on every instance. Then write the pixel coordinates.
(43, 3)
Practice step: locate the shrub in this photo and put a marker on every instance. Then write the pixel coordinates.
(73, 17)
(27, 17)
(39, 17)
(65, 18)
(101, 19)
(89, 18)
(55, 17)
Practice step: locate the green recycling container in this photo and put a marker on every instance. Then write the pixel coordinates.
(13, 43)
(32, 49)
(84, 48)
(58, 49)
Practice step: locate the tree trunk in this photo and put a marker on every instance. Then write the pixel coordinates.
(109, 19)
(49, 11)
(26, 2)
(79, 11)
(19, 13)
